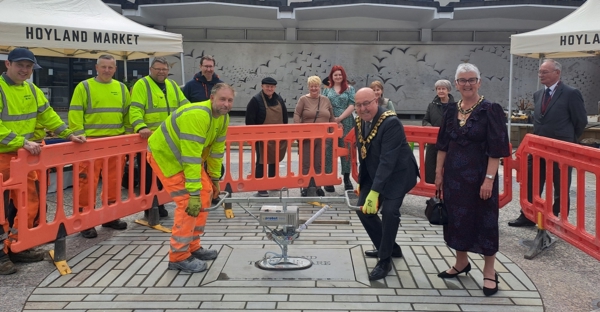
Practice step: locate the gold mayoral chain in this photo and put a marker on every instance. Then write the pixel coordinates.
(363, 142)
(465, 112)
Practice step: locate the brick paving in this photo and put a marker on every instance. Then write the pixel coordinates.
(128, 272)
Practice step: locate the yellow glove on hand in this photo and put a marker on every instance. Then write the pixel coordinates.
(357, 190)
(216, 187)
(371, 203)
(194, 206)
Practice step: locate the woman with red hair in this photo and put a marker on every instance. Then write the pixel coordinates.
(341, 96)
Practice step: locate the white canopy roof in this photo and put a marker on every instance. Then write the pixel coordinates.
(79, 28)
(576, 35)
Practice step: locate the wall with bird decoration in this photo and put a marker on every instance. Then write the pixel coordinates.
(408, 71)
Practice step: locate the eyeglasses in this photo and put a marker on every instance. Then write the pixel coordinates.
(463, 81)
(359, 105)
(207, 66)
(545, 72)
(160, 69)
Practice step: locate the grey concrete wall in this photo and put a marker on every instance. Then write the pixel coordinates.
(408, 70)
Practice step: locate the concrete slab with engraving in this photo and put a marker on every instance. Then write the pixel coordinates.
(328, 264)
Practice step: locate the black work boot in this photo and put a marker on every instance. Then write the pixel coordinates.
(28, 255)
(116, 224)
(6, 266)
(347, 183)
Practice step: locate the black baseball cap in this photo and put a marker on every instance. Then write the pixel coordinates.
(23, 54)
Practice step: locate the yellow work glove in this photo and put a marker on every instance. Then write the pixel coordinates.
(194, 206)
(371, 203)
(357, 190)
(216, 187)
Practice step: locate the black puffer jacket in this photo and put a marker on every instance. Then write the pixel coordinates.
(434, 116)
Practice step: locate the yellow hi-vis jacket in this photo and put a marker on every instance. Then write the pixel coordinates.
(21, 108)
(187, 139)
(150, 106)
(100, 109)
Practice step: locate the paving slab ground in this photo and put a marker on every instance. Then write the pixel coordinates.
(126, 271)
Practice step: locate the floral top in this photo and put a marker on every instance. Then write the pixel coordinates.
(340, 103)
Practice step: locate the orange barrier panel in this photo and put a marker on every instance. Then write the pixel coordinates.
(428, 135)
(583, 160)
(59, 155)
(240, 156)
(3, 219)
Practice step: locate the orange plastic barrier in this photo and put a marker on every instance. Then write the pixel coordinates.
(69, 220)
(584, 160)
(239, 176)
(428, 135)
(241, 151)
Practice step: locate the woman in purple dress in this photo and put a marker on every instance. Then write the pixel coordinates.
(471, 141)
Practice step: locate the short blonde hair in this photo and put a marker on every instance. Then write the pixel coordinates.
(314, 80)
(443, 83)
(377, 84)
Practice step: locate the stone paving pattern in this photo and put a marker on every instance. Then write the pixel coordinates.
(128, 273)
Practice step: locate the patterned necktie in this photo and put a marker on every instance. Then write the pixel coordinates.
(546, 100)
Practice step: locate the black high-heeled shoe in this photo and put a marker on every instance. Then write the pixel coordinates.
(445, 274)
(490, 291)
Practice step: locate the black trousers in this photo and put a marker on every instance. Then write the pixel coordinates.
(260, 168)
(555, 183)
(382, 231)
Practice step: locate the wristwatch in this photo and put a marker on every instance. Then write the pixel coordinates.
(489, 176)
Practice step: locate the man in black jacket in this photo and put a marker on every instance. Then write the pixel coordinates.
(198, 89)
(388, 170)
(267, 107)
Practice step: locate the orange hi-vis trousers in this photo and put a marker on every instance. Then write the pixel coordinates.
(109, 182)
(185, 235)
(33, 203)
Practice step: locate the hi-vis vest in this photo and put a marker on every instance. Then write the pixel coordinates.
(99, 109)
(149, 106)
(20, 111)
(187, 138)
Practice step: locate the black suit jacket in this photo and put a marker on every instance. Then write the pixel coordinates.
(390, 167)
(565, 117)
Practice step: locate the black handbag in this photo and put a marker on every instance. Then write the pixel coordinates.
(435, 211)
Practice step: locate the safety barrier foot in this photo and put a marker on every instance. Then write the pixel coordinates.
(541, 242)
(311, 190)
(228, 207)
(59, 253)
(152, 217)
(158, 227)
(61, 265)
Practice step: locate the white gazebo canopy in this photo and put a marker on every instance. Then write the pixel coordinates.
(80, 28)
(576, 35)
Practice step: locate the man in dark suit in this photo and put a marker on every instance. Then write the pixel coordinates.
(388, 170)
(559, 114)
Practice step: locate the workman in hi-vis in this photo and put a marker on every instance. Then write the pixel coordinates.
(193, 136)
(153, 98)
(99, 108)
(22, 107)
